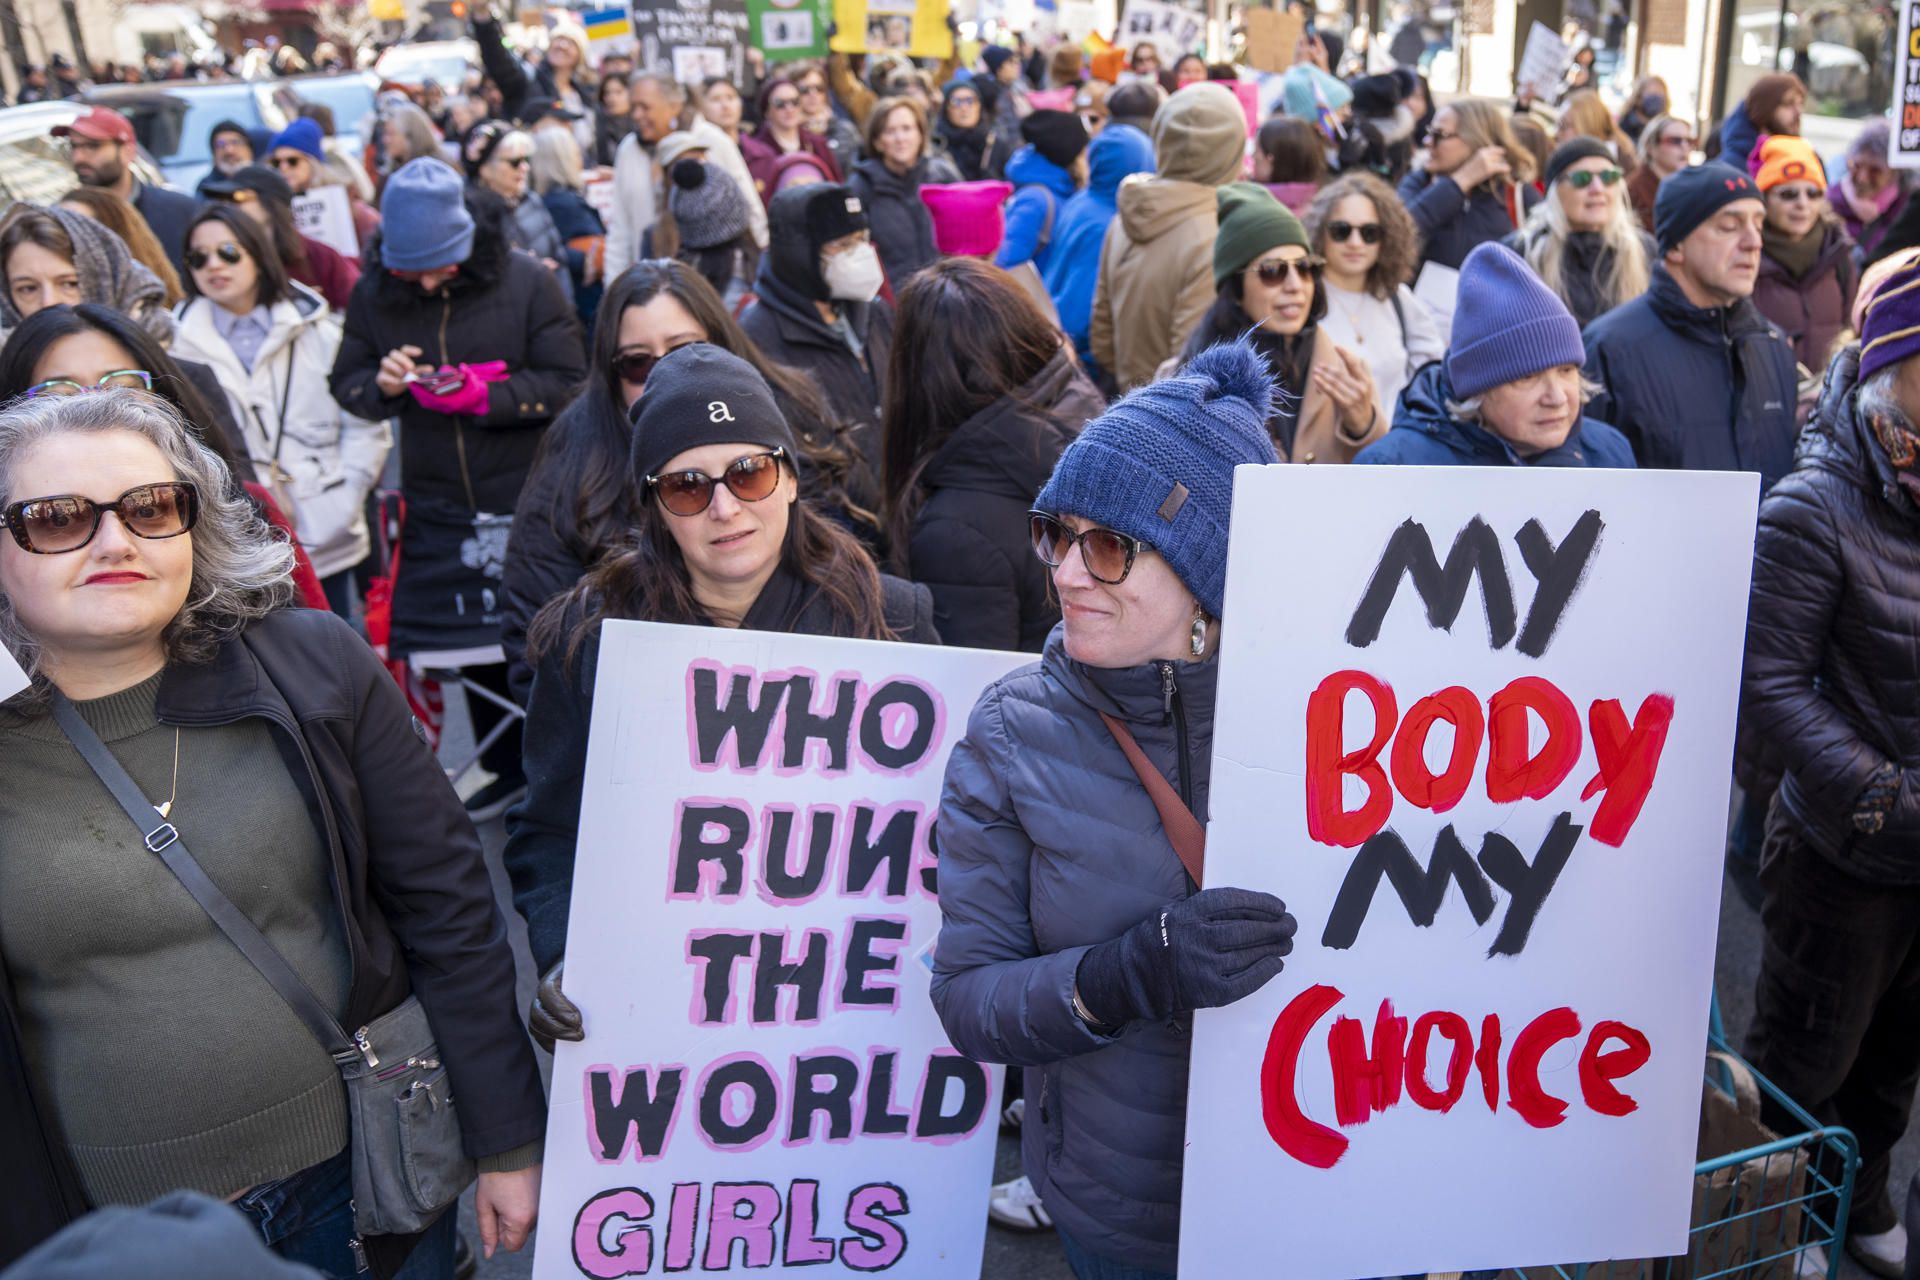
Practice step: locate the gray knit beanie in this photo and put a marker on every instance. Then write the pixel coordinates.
(706, 205)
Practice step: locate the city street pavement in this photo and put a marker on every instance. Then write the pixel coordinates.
(1016, 1256)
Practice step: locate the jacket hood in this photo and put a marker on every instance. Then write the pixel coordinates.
(1009, 447)
(1028, 167)
(885, 181)
(1837, 440)
(1200, 135)
(1150, 207)
(1116, 153)
(1423, 409)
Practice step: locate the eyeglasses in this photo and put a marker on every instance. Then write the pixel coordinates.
(227, 251)
(50, 526)
(515, 162)
(1370, 232)
(1581, 179)
(813, 90)
(1437, 136)
(782, 104)
(1677, 140)
(118, 380)
(288, 162)
(1274, 270)
(750, 479)
(1107, 555)
(1795, 194)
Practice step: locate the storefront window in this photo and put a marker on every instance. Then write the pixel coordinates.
(1842, 52)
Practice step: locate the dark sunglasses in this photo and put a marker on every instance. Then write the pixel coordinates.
(517, 162)
(117, 380)
(1370, 232)
(1276, 270)
(782, 104)
(227, 250)
(287, 162)
(750, 479)
(1109, 556)
(1581, 179)
(818, 89)
(49, 526)
(632, 367)
(1437, 136)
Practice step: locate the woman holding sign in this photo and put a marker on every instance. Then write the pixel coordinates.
(1073, 942)
(719, 538)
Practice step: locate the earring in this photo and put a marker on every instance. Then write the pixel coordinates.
(1199, 641)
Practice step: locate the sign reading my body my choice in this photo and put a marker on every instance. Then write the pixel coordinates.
(764, 1083)
(1475, 727)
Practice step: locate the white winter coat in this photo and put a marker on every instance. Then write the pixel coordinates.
(328, 460)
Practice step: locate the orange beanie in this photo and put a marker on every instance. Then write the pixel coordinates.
(1781, 158)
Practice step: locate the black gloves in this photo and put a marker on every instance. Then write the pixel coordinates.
(1200, 953)
(553, 1016)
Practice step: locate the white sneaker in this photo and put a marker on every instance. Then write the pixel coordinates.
(1812, 1264)
(1883, 1253)
(1015, 1113)
(1016, 1206)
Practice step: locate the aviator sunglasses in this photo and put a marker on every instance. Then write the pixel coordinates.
(750, 479)
(1109, 556)
(1276, 270)
(227, 250)
(68, 522)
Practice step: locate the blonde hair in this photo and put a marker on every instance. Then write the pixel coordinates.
(1485, 124)
(1587, 116)
(556, 161)
(1628, 270)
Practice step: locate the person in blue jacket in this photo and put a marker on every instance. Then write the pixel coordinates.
(1080, 228)
(1509, 392)
(1046, 173)
(1773, 105)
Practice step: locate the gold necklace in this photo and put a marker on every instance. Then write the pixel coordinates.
(1359, 335)
(165, 810)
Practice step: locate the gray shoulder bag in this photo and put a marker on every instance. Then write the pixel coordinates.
(408, 1163)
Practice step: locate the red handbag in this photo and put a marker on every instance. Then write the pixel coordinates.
(423, 695)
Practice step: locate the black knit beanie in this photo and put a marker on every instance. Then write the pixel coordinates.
(1572, 152)
(801, 220)
(698, 395)
(1059, 136)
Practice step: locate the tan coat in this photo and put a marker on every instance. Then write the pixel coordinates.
(1318, 435)
(1156, 275)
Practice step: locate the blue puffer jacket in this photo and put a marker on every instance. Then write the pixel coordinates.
(1698, 389)
(1041, 187)
(1048, 845)
(1080, 228)
(1425, 435)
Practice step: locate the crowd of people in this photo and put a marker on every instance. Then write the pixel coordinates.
(968, 344)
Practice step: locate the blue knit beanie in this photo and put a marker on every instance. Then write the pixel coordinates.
(302, 135)
(1506, 324)
(424, 223)
(1297, 92)
(1158, 466)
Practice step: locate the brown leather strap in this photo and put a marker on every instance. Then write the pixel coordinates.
(1184, 832)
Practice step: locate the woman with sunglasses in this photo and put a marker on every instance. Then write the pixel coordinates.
(500, 159)
(718, 536)
(1367, 239)
(272, 343)
(1807, 273)
(577, 504)
(817, 114)
(1062, 897)
(781, 133)
(1583, 239)
(263, 195)
(135, 585)
(965, 132)
(1666, 147)
(1270, 290)
(1473, 183)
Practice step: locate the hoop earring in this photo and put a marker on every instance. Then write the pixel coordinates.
(1198, 643)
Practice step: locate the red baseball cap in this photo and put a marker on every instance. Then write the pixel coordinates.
(99, 123)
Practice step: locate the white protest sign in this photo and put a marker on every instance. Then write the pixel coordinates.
(764, 1081)
(12, 678)
(1542, 62)
(1173, 30)
(325, 214)
(1479, 741)
(1903, 145)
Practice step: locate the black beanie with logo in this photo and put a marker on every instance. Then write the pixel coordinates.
(699, 395)
(803, 220)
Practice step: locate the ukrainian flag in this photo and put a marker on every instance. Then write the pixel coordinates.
(606, 24)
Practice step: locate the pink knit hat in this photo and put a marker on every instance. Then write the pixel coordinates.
(967, 216)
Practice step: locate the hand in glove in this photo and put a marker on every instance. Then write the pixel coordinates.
(1200, 953)
(470, 398)
(552, 1016)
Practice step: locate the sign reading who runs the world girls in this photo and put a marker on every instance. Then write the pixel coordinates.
(764, 1083)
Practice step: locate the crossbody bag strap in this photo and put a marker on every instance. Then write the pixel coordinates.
(162, 838)
(1184, 832)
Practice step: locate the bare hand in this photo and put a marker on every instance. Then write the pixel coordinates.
(507, 1204)
(394, 368)
(1487, 162)
(1349, 384)
(1309, 48)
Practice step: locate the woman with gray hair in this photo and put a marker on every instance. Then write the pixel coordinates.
(50, 256)
(146, 600)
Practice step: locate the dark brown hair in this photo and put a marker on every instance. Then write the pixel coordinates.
(1294, 148)
(121, 218)
(272, 285)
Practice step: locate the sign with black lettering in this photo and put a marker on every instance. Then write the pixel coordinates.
(1476, 729)
(764, 1083)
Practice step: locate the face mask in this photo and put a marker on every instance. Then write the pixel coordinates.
(853, 276)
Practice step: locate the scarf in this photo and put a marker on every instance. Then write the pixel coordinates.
(1798, 256)
(1869, 208)
(968, 147)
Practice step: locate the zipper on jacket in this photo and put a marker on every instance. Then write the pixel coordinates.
(1175, 710)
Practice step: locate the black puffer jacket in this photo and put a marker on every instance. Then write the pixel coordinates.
(784, 323)
(969, 538)
(1833, 638)
(1583, 262)
(902, 225)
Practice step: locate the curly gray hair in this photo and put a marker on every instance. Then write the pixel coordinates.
(242, 569)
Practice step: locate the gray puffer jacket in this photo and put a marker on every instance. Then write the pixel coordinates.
(1048, 845)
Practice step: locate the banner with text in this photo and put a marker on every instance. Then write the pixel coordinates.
(1903, 145)
(764, 1083)
(692, 39)
(1480, 742)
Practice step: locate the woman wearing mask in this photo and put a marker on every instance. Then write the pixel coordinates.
(1475, 184)
(1057, 931)
(1666, 147)
(1367, 240)
(272, 344)
(1807, 272)
(1269, 284)
(1871, 196)
(781, 133)
(1773, 105)
(1649, 99)
(500, 159)
(50, 256)
(577, 505)
(1582, 239)
(719, 537)
(888, 184)
(966, 133)
(147, 603)
(983, 397)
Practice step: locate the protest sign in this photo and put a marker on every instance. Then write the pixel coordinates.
(1542, 63)
(608, 31)
(917, 28)
(788, 29)
(764, 1080)
(1173, 31)
(1493, 1024)
(12, 678)
(1271, 36)
(325, 214)
(1903, 150)
(692, 38)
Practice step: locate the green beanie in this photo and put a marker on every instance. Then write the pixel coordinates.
(1251, 223)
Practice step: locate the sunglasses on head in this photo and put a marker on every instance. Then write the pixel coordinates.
(1370, 232)
(1274, 270)
(1581, 179)
(118, 380)
(227, 251)
(49, 526)
(1108, 556)
(750, 479)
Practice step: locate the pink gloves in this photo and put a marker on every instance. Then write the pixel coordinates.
(470, 398)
